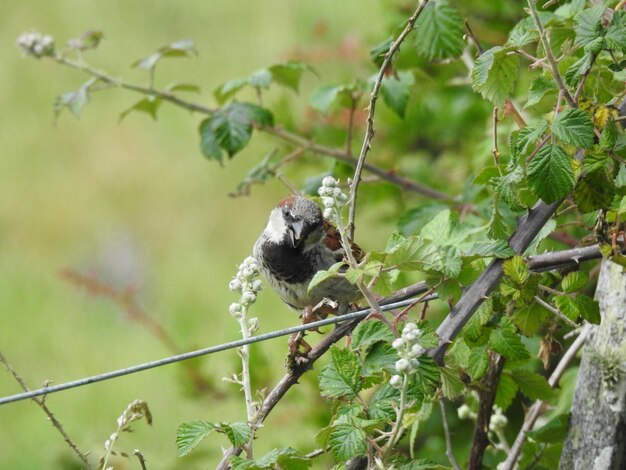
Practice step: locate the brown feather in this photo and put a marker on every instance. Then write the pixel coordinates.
(333, 241)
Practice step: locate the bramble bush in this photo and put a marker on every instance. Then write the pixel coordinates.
(511, 142)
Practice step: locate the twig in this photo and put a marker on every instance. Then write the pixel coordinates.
(448, 436)
(315, 453)
(41, 402)
(555, 311)
(552, 61)
(473, 38)
(535, 410)
(141, 458)
(495, 152)
(487, 395)
(286, 136)
(244, 353)
(398, 424)
(371, 109)
(583, 78)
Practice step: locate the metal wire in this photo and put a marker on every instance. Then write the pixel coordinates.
(204, 352)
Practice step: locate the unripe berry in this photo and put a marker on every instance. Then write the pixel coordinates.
(403, 365)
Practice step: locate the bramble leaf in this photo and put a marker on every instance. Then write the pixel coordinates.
(191, 433)
(342, 376)
(574, 127)
(494, 75)
(533, 385)
(347, 441)
(506, 341)
(395, 91)
(440, 31)
(550, 174)
(369, 332)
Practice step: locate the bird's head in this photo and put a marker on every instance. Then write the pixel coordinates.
(297, 221)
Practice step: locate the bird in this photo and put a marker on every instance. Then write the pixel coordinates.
(296, 244)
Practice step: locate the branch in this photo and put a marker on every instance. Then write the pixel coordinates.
(485, 407)
(535, 410)
(371, 109)
(553, 63)
(55, 422)
(286, 136)
(446, 430)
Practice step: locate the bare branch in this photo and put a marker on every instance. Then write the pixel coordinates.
(371, 109)
(42, 404)
(446, 430)
(555, 311)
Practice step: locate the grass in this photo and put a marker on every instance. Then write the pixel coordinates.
(136, 202)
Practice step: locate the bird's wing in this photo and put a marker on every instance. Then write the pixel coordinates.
(333, 243)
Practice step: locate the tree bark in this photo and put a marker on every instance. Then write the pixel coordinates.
(596, 438)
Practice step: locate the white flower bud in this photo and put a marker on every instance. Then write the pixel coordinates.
(257, 285)
(250, 261)
(397, 343)
(235, 285)
(403, 365)
(410, 327)
(329, 182)
(408, 335)
(329, 213)
(253, 325)
(235, 308)
(247, 273)
(324, 191)
(414, 363)
(248, 297)
(417, 350)
(464, 412)
(395, 381)
(328, 202)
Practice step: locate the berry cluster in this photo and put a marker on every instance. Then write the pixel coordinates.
(332, 197)
(409, 349)
(36, 44)
(247, 284)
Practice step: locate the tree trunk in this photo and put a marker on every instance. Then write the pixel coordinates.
(596, 438)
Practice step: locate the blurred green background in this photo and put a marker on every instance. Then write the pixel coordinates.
(135, 203)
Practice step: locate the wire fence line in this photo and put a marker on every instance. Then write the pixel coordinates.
(205, 351)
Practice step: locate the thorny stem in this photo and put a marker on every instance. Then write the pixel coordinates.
(446, 430)
(284, 135)
(397, 425)
(42, 404)
(555, 311)
(535, 410)
(532, 4)
(583, 78)
(371, 109)
(495, 152)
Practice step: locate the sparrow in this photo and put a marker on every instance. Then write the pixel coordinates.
(297, 243)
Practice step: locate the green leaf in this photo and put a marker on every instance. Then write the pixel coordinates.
(528, 318)
(587, 24)
(516, 270)
(553, 432)
(578, 68)
(507, 389)
(347, 441)
(574, 127)
(589, 309)
(182, 48)
(492, 249)
(382, 403)
(451, 384)
(75, 101)
(325, 96)
(550, 174)
(538, 89)
(595, 190)
(381, 356)
(289, 74)
(533, 385)
(322, 276)
(494, 75)
(395, 91)
(522, 34)
(620, 179)
(226, 90)
(423, 464)
(473, 329)
(440, 31)
(342, 376)
(506, 341)
(478, 362)
(574, 281)
(426, 375)
(616, 32)
(238, 433)
(377, 53)
(230, 129)
(568, 306)
(369, 332)
(191, 433)
(189, 87)
(149, 105)
(260, 79)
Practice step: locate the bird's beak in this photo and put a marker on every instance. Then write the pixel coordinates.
(295, 232)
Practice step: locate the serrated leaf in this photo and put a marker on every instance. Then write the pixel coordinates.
(75, 101)
(369, 332)
(589, 309)
(506, 341)
(574, 281)
(381, 405)
(550, 174)
(347, 441)
(574, 127)
(516, 270)
(191, 433)
(238, 433)
(473, 329)
(377, 53)
(423, 464)
(553, 432)
(495, 249)
(478, 362)
(325, 96)
(230, 129)
(568, 306)
(522, 34)
(342, 376)
(289, 74)
(415, 253)
(494, 75)
(226, 90)
(528, 318)
(149, 105)
(426, 375)
(451, 384)
(353, 275)
(428, 338)
(284, 458)
(182, 48)
(578, 68)
(381, 356)
(539, 87)
(440, 31)
(395, 91)
(533, 385)
(615, 35)
(507, 389)
(587, 24)
(595, 190)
